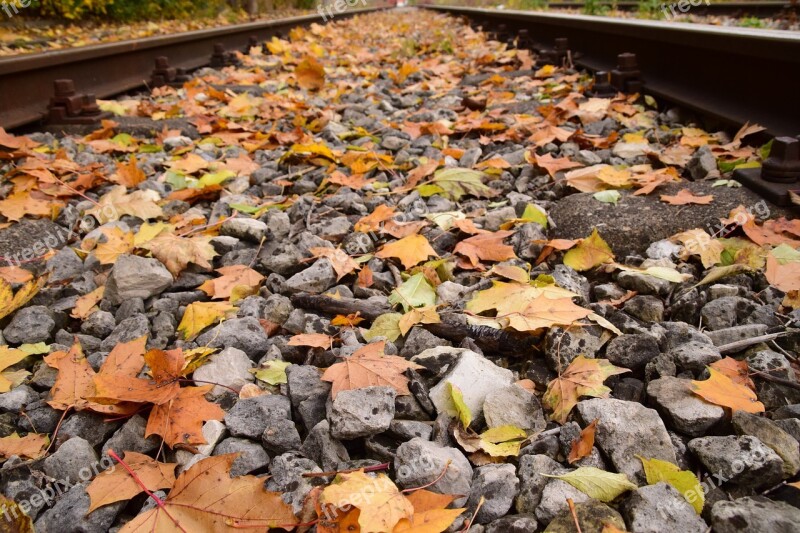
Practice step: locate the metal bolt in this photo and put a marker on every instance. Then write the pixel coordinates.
(64, 88)
(783, 163)
(626, 61)
(162, 63)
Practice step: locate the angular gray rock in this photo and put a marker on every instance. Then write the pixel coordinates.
(694, 356)
(419, 462)
(30, 325)
(281, 436)
(632, 351)
(592, 516)
(658, 508)
(513, 406)
(308, 393)
(247, 229)
(476, 376)
(773, 436)
(245, 334)
(130, 437)
(69, 514)
(563, 345)
(754, 515)
(72, 462)
(744, 460)
(684, 411)
(361, 412)
(498, 485)
(251, 416)
(230, 367)
(315, 279)
(136, 277)
(625, 430)
(322, 448)
(251, 457)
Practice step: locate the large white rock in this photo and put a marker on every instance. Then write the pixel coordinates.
(230, 367)
(476, 376)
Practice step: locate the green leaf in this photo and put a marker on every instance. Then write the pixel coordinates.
(534, 213)
(414, 292)
(728, 166)
(215, 179)
(455, 183)
(34, 349)
(386, 325)
(122, 139)
(273, 372)
(610, 196)
(717, 273)
(785, 254)
(733, 184)
(596, 483)
(503, 441)
(244, 208)
(176, 179)
(684, 481)
(464, 414)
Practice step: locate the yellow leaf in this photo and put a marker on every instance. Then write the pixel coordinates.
(86, 304)
(464, 414)
(199, 315)
(117, 243)
(10, 301)
(589, 253)
(583, 377)
(310, 74)
(684, 481)
(381, 503)
(410, 250)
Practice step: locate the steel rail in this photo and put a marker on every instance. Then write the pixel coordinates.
(731, 75)
(26, 81)
(754, 9)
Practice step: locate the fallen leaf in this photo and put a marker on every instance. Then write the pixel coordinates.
(381, 503)
(683, 481)
(685, 197)
(177, 252)
(15, 274)
(314, 340)
(87, 304)
(783, 268)
(596, 483)
(455, 183)
(385, 325)
(410, 250)
(369, 367)
(239, 279)
(206, 498)
(551, 164)
(117, 243)
(115, 485)
(128, 174)
(582, 446)
(583, 377)
(418, 315)
(10, 301)
(589, 253)
(200, 315)
(272, 372)
(342, 263)
(31, 446)
(20, 203)
(487, 247)
(698, 242)
(180, 420)
(737, 371)
(721, 390)
(75, 380)
(9, 357)
(461, 408)
(416, 291)
(115, 204)
(310, 74)
(430, 513)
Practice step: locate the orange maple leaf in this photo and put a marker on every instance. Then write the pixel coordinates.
(721, 390)
(685, 196)
(369, 367)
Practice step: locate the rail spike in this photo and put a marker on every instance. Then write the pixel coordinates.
(222, 58)
(69, 107)
(163, 74)
(627, 77)
(779, 174)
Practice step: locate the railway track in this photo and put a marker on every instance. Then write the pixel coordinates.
(750, 9)
(26, 81)
(730, 76)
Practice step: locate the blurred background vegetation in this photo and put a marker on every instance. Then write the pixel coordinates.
(130, 10)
